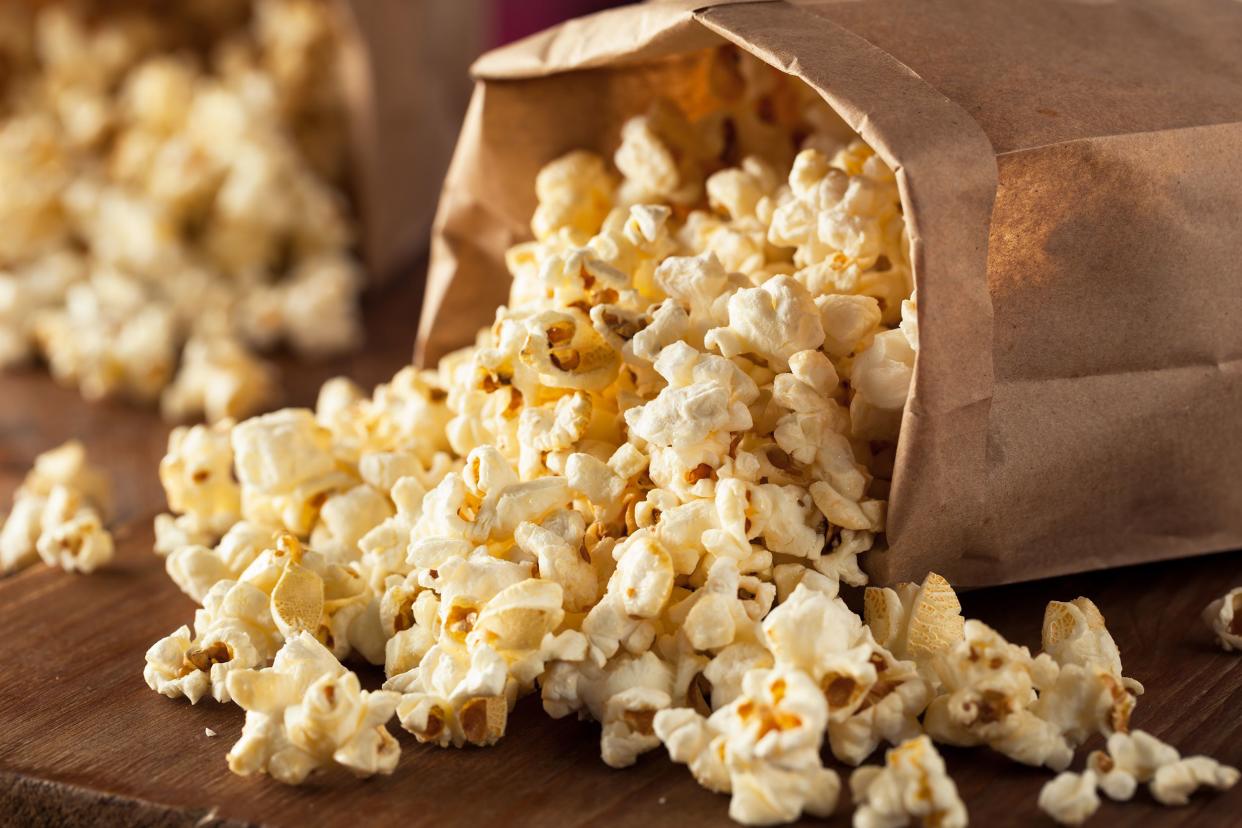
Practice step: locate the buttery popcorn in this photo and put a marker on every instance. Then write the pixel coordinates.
(170, 203)
(638, 495)
(763, 748)
(59, 514)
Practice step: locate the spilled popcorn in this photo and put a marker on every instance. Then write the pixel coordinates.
(1130, 759)
(59, 515)
(168, 206)
(636, 496)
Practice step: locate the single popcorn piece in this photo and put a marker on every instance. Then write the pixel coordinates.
(307, 712)
(454, 697)
(763, 748)
(234, 630)
(1173, 784)
(1070, 798)
(1075, 633)
(988, 689)
(58, 514)
(73, 536)
(1224, 617)
(915, 621)
(197, 475)
(218, 378)
(911, 785)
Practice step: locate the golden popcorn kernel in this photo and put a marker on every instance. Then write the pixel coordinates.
(993, 706)
(435, 726)
(566, 359)
(460, 620)
(215, 653)
(560, 332)
(404, 618)
(483, 720)
(640, 721)
(700, 472)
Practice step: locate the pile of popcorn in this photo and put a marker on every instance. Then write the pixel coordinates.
(637, 496)
(168, 203)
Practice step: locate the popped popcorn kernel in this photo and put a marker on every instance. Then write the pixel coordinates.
(307, 712)
(1224, 617)
(59, 514)
(911, 785)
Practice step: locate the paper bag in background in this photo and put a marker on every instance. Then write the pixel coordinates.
(406, 79)
(1071, 174)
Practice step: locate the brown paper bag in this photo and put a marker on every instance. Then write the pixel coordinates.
(406, 85)
(1071, 174)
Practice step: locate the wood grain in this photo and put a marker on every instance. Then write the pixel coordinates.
(83, 741)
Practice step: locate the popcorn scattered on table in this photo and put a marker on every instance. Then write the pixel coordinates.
(59, 515)
(637, 495)
(1224, 616)
(1130, 759)
(169, 205)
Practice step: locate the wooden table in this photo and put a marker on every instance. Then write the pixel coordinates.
(83, 741)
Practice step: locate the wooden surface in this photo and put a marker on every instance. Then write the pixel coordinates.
(83, 741)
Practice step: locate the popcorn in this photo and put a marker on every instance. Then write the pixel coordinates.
(73, 536)
(912, 785)
(881, 374)
(1173, 784)
(195, 567)
(1075, 633)
(638, 493)
(58, 514)
(1224, 616)
(917, 621)
(871, 695)
(763, 748)
(218, 378)
(286, 469)
(233, 631)
(1137, 757)
(197, 475)
(575, 194)
(203, 198)
(1070, 798)
(988, 688)
(454, 697)
(306, 712)
(775, 321)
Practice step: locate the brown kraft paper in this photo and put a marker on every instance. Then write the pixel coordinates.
(404, 72)
(1071, 176)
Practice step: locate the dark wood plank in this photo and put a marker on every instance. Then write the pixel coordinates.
(83, 741)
